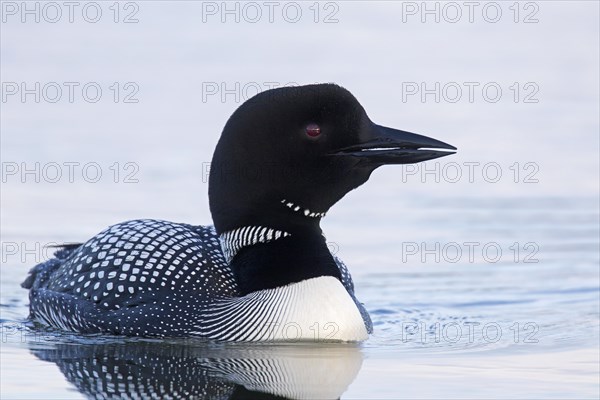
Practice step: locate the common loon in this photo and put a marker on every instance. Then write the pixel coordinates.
(264, 271)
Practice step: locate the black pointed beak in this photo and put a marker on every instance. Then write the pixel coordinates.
(383, 145)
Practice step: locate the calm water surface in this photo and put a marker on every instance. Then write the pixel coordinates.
(468, 328)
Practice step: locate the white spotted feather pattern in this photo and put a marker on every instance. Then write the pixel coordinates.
(142, 277)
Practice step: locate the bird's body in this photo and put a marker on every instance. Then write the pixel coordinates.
(161, 279)
(264, 271)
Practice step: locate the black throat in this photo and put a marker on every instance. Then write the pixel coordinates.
(301, 255)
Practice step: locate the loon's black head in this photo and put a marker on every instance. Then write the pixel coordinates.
(288, 154)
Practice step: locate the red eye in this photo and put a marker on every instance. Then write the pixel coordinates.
(313, 130)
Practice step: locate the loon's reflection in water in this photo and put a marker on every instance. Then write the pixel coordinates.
(200, 370)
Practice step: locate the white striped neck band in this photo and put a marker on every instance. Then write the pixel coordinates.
(233, 241)
(302, 210)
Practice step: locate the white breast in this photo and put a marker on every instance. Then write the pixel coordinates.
(316, 309)
(319, 309)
